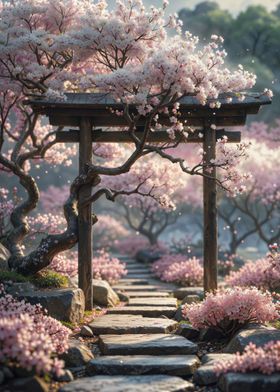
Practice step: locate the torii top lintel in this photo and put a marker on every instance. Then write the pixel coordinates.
(96, 107)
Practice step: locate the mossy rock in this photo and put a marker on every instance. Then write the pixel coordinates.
(11, 276)
(49, 279)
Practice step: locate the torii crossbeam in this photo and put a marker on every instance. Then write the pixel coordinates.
(89, 111)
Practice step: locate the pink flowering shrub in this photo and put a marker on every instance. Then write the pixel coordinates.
(179, 269)
(105, 267)
(228, 310)
(264, 360)
(263, 273)
(29, 338)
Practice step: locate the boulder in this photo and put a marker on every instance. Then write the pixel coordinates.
(103, 294)
(187, 331)
(189, 299)
(34, 384)
(4, 257)
(182, 292)
(77, 355)
(257, 334)
(147, 256)
(210, 334)
(205, 374)
(249, 382)
(19, 289)
(62, 304)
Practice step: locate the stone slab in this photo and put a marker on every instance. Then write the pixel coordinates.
(146, 344)
(146, 311)
(133, 281)
(137, 288)
(205, 374)
(130, 324)
(155, 383)
(249, 382)
(175, 365)
(257, 334)
(182, 292)
(152, 301)
(148, 294)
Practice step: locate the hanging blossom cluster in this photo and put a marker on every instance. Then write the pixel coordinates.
(179, 269)
(105, 267)
(265, 360)
(227, 310)
(263, 273)
(29, 338)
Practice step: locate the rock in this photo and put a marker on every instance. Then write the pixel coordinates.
(175, 365)
(147, 257)
(128, 324)
(188, 332)
(157, 383)
(86, 331)
(182, 292)
(34, 384)
(103, 294)
(146, 344)
(2, 377)
(62, 304)
(9, 375)
(66, 377)
(189, 299)
(205, 374)
(210, 334)
(4, 257)
(122, 296)
(78, 354)
(78, 371)
(249, 382)
(19, 289)
(179, 314)
(146, 311)
(257, 334)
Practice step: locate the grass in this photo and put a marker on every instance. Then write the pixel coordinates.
(43, 279)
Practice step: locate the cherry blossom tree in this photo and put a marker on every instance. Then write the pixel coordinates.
(48, 47)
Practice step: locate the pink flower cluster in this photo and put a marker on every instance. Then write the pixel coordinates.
(263, 273)
(104, 266)
(179, 269)
(228, 309)
(264, 359)
(29, 338)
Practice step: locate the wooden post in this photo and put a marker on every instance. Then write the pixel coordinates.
(85, 216)
(210, 214)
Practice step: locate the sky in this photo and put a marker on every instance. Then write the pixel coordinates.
(235, 6)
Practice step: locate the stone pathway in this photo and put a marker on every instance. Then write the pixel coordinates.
(138, 347)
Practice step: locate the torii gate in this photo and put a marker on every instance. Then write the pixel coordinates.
(88, 111)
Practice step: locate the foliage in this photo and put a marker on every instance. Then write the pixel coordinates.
(230, 309)
(263, 273)
(49, 279)
(29, 338)
(264, 360)
(179, 269)
(11, 276)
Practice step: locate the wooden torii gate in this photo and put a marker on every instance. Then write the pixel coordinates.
(89, 111)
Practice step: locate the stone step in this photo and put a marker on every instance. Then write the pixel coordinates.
(175, 365)
(133, 281)
(153, 383)
(130, 324)
(147, 294)
(152, 301)
(146, 311)
(138, 271)
(140, 276)
(137, 288)
(146, 344)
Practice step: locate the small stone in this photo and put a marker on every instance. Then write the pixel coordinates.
(34, 384)
(257, 334)
(154, 383)
(188, 332)
(66, 377)
(62, 304)
(78, 354)
(205, 374)
(189, 299)
(179, 314)
(86, 331)
(122, 296)
(210, 334)
(182, 292)
(103, 294)
(249, 382)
